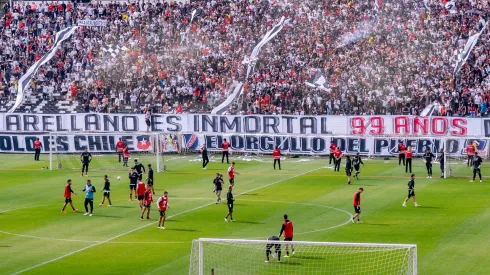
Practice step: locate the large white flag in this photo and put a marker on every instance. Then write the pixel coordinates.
(468, 48)
(24, 81)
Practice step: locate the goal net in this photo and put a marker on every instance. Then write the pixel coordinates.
(148, 148)
(456, 156)
(249, 257)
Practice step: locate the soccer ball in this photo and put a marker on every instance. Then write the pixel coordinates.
(118, 177)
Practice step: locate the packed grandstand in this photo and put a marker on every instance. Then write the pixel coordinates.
(378, 57)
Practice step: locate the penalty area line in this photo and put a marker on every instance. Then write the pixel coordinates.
(149, 224)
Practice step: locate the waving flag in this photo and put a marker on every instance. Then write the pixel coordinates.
(317, 80)
(194, 15)
(251, 60)
(24, 81)
(468, 48)
(114, 50)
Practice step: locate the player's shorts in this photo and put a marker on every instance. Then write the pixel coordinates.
(357, 209)
(107, 194)
(348, 172)
(288, 239)
(148, 205)
(162, 213)
(411, 193)
(277, 247)
(230, 207)
(218, 192)
(147, 122)
(357, 168)
(140, 176)
(470, 156)
(67, 200)
(476, 170)
(428, 164)
(232, 181)
(150, 182)
(132, 187)
(140, 198)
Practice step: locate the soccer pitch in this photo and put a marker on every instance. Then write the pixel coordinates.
(450, 228)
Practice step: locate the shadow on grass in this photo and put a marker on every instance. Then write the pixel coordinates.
(249, 222)
(123, 206)
(108, 216)
(290, 263)
(250, 194)
(4, 246)
(308, 257)
(182, 230)
(170, 220)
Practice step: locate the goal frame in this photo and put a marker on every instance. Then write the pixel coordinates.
(159, 161)
(447, 156)
(201, 241)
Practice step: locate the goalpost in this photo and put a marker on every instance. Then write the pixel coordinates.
(248, 257)
(456, 156)
(148, 148)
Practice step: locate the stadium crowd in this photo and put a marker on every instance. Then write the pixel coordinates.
(379, 57)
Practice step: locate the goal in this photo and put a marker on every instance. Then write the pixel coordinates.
(248, 257)
(456, 157)
(148, 148)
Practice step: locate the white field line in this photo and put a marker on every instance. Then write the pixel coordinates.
(146, 225)
(285, 202)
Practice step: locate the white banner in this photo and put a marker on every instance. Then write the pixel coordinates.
(250, 124)
(247, 143)
(319, 145)
(76, 143)
(92, 23)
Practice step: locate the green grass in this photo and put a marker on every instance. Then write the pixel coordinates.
(450, 229)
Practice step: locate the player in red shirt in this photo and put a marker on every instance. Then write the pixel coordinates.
(470, 151)
(338, 159)
(401, 153)
(357, 205)
(37, 149)
(147, 200)
(231, 174)
(277, 157)
(287, 228)
(225, 146)
(126, 155)
(120, 145)
(140, 191)
(162, 204)
(408, 159)
(68, 192)
(332, 151)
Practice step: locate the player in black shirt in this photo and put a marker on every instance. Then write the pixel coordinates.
(348, 168)
(277, 248)
(357, 165)
(140, 168)
(477, 161)
(229, 201)
(133, 180)
(85, 158)
(440, 158)
(205, 158)
(218, 187)
(107, 191)
(411, 191)
(428, 158)
(150, 178)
